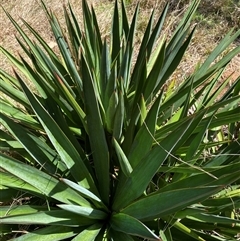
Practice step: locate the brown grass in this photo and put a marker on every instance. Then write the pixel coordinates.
(212, 25)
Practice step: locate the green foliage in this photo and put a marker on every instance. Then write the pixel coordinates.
(107, 149)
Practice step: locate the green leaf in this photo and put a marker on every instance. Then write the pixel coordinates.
(143, 173)
(69, 63)
(119, 118)
(111, 110)
(35, 77)
(124, 163)
(120, 236)
(9, 78)
(183, 25)
(11, 91)
(85, 192)
(93, 39)
(56, 217)
(165, 203)
(51, 233)
(15, 185)
(143, 110)
(104, 74)
(116, 31)
(19, 115)
(218, 176)
(125, 67)
(210, 218)
(37, 148)
(127, 224)
(84, 211)
(163, 236)
(97, 30)
(90, 233)
(45, 183)
(124, 19)
(175, 196)
(14, 210)
(194, 147)
(109, 92)
(187, 102)
(187, 231)
(64, 147)
(220, 119)
(72, 31)
(145, 136)
(73, 102)
(141, 59)
(131, 33)
(132, 110)
(224, 43)
(95, 129)
(148, 42)
(173, 60)
(52, 69)
(154, 70)
(14, 60)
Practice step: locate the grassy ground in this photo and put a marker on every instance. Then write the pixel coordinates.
(214, 19)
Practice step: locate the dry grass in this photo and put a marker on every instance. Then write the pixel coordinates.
(212, 17)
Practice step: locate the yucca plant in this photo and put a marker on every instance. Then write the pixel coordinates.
(103, 148)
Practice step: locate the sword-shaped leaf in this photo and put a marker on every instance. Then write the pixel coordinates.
(51, 233)
(44, 183)
(55, 217)
(96, 133)
(140, 177)
(84, 211)
(63, 146)
(90, 233)
(127, 224)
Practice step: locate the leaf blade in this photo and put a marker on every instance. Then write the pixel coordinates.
(127, 224)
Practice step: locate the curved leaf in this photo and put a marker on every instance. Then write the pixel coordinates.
(46, 184)
(127, 224)
(84, 211)
(56, 217)
(90, 233)
(51, 233)
(64, 147)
